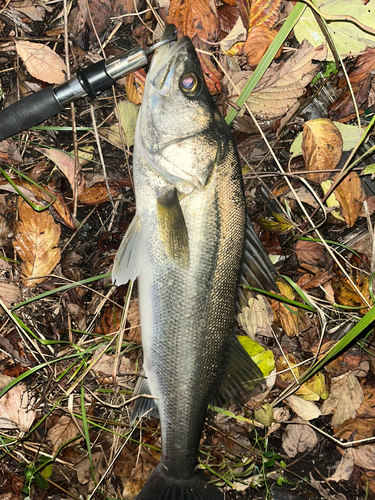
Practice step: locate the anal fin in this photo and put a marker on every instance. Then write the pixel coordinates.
(143, 406)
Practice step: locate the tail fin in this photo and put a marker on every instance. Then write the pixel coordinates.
(161, 487)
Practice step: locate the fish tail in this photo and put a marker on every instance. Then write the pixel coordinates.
(162, 487)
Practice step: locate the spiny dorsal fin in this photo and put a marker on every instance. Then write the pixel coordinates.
(172, 227)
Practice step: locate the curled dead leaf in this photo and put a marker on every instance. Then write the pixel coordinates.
(350, 194)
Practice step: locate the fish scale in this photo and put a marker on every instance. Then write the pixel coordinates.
(186, 245)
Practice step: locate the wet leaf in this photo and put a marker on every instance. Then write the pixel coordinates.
(322, 148)
(350, 194)
(281, 226)
(307, 410)
(298, 438)
(66, 164)
(16, 411)
(63, 431)
(345, 398)
(41, 61)
(264, 13)
(36, 243)
(263, 358)
(344, 292)
(257, 43)
(195, 17)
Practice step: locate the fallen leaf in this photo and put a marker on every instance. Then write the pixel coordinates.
(344, 292)
(133, 91)
(345, 467)
(67, 165)
(264, 13)
(34, 10)
(257, 318)
(9, 153)
(195, 17)
(237, 34)
(348, 38)
(367, 408)
(364, 456)
(126, 114)
(257, 43)
(143, 469)
(313, 253)
(245, 9)
(282, 84)
(212, 74)
(16, 411)
(344, 400)
(298, 438)
(98, 193)
(41, 61)
(321, 148)
(350, 194)
(288, 320)
(9, 293)
(36, 243)
(307, 410)
(64, 430)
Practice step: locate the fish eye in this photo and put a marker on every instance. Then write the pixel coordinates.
(189, 83)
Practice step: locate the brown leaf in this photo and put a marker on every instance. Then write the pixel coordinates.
(32, 9)
(9, 293)
(264, 13)
(41, 61)
(36, 242)
(9, 153)
(314, 254)
(350, 194)
(309, 281)
(345, 294)
(298, 438)
(98, 193)
(245, 8)
(212, 75)
(16, 410)
(321, 147)
(195, 17)
(282, 84)
(344, 400)
(61, 432)
(257, 319)
(288, 320)
(133, 91)
(257, 43)
(67, 165)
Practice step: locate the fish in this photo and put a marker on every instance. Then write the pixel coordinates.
(186, 245)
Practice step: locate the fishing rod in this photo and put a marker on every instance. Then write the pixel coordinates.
(90, 81)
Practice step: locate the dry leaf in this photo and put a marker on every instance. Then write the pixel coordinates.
(314, 254)
(9, 293)
(195, 17)
(212, 74)
(9, 153)
(126, 113)
(63, 431)
(134, 92)
(345, 398)
(257, 318)
(346, 294)
(264, 13)
(345, 468)
(307, 410)
(15, 406)
(98, 193)
(35, 243)
(289, 321)
(34, 10)
(282, 84)
(350, 194)
(41, 61)
(321, 148)
(257, 43)
(298, 438)
(364, 456)
(67, 165)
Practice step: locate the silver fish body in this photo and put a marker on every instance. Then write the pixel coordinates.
(186, 244)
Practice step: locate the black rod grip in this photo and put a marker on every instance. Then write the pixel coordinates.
(28, 112)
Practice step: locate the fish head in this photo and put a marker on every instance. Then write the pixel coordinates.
(179, 131)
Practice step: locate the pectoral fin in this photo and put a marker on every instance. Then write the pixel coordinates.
(128, 259)
(243, 378)
(172, 227)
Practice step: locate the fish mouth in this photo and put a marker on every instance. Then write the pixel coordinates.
(162, 66)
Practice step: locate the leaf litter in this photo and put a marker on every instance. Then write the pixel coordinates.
(57, 260)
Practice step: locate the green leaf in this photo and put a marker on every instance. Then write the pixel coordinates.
(41, 482)
(370, 169)
(348, 38)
